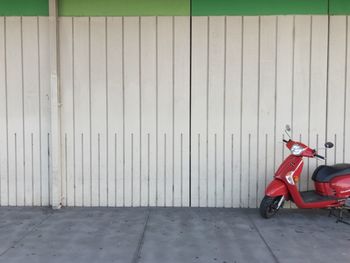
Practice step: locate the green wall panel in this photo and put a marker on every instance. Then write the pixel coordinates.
(174, 7)
(258, 7)
(339, 7)
(24, 8)
(124, 7)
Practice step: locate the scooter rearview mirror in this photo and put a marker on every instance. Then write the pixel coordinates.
(328, 145)
(287, 130)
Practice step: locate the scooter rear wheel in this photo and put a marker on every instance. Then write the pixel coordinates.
(268, 206)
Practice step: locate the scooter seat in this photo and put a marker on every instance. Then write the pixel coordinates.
(325, 173)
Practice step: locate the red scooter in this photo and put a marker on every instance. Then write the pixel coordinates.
(332, 183)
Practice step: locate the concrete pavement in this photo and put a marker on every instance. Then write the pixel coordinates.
(171, 235)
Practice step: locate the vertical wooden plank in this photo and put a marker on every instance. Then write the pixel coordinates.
(132, 110)
(182, 111)
(336, 87)
(15, 110)
(284, 84)
(250, 100)
(301, 85)
(165, 110)
(43, 187)
(233, 110)
(98, 111)
(318, 88)
(55, 114)
(148, 108)
(3, 115)
(284, 80)
(83, 182)
(115, 102)
(215, 110)
(67, 110)
(267, 87)
(199, 111)
(346, 157)
(31, 107)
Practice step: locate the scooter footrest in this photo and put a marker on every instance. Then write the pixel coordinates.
(312, 196)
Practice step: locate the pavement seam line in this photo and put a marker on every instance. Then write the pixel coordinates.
(263, 239)
(16, 242)
(137, 254)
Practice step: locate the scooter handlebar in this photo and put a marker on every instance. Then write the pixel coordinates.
(285, 141)
(319, 156)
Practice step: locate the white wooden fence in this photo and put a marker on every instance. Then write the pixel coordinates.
(130, 117)
(24, 111)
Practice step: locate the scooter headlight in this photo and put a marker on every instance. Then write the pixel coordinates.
(297, 149)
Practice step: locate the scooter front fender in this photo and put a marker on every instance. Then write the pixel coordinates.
(277, 188)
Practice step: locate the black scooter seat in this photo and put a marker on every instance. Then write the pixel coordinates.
(325, 173)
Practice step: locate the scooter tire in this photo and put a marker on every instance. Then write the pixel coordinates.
(268, 206)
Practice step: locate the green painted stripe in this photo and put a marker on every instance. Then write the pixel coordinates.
(124, 7)
(24, 8)
(174, 7)
(339, 7)
(259, 7)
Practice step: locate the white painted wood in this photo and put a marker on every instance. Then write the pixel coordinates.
(125, 106)
(115, 82)
(55, 139)
(31, 110)
(132, 110)
(98, 110)
(347, 99)
(301, 86)
(233, 105)
(44, 118)
(199, 160)
(284, 85)
(181, 110)
(267, 103)
(149, 110)
(15, 110)
(250, 101)
(284, 80)
(165, 110)
(3, 116)
(67, 110)
(124, 84)
(83, 181)
(274, 74)
(216, 110)
(24, 111)
(318, 89)
(336, 87)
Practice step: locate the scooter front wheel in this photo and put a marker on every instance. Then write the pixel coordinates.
(269, 206)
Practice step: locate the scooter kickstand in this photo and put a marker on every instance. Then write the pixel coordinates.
(331, 212)
(340, 217)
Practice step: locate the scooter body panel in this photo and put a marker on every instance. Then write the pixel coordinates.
(277, 188)
(324, 189)
(341, 186)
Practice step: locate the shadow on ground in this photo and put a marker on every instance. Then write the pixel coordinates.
(170, 235)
